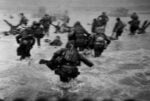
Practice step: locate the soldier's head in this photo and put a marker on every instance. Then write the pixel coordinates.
(118, 19)
(46, 15)
(77, 24)
(70, 44)
(103, 13)
(134, 13)
(21, 14)
(35, 24)
(57, 37)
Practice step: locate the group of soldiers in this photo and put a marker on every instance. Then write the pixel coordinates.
(66, 60)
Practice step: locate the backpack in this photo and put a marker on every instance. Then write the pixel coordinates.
(99, 42)
(70, 55)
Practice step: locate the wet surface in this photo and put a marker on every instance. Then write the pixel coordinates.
(121, 72)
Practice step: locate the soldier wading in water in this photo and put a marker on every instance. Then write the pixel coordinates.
(65, 62)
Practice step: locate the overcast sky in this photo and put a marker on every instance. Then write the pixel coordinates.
(71, 3)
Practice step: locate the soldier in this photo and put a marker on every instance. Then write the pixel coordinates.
(118, 28)
(56, 42)
(134, 26)
(38, 32)
(80, 36)
(104, 18)
(46, 22)
(26, 42)
(99, 42)
(100, 21)
(24, 20)
(65, 62)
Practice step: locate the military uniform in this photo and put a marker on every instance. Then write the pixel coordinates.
(46, 21)
(134, 26)
(65, 62)
(56, 42)
(26, 42)
(23, 21)
(118, 29)
(99, 41)
(99, 44)
(81, 37)
(38, 32)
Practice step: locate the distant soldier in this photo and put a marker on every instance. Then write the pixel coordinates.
(80, 36)
(26, 41)
(56, 42)
(38, 32)
(118, 29)
(134, 26)
(100, 21)
(65, 62)
(24, 20)
(46, 22)
(104, 18)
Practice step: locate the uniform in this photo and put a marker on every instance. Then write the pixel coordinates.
(81, 37)
(46, 21)
(38, 32)
(26, 43)
(65, 62)
(99, 44)
(134, 26)
(118, 28)
(56, 42)
(24, 20)
(97, 23)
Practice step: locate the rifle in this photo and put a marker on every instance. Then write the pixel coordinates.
(53, 65)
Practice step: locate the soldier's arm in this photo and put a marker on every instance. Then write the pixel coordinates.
(58, 53)
(18, 38)
(50, 62)
(85, 61)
